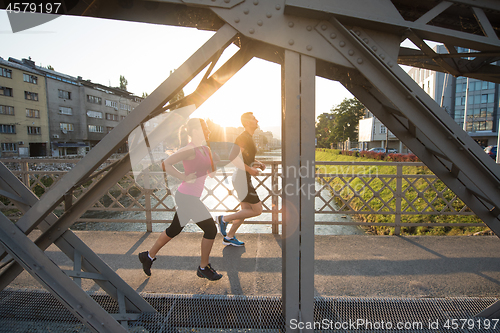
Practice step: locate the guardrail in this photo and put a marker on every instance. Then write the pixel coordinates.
(342, 188)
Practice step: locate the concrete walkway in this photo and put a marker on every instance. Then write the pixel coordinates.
(360, 266)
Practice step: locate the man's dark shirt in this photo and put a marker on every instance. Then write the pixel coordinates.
(245, 141)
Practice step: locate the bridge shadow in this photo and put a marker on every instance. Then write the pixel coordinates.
(478, 273)
(233, 263)
(138, 243)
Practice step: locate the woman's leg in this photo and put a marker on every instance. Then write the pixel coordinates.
(173, 230)
(210, 231)
(160, 242)
(206, 248)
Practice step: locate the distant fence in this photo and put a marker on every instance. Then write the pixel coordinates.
(342, 188)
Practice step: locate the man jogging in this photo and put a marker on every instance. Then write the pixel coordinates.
(250, 203)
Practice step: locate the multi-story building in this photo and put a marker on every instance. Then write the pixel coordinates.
(105, 108)
(472, 103)
(80, 113)
(24, 127)
(372, 134)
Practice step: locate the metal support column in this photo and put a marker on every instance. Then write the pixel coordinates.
(298, 85)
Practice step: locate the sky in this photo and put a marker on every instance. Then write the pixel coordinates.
(102, 50)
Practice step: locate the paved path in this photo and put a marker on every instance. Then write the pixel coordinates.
(361, 266)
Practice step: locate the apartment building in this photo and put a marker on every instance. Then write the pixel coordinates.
(79, 112)
(24, 127)
(105, 107)
(373, 134)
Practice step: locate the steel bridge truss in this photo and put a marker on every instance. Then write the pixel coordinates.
(355, 42)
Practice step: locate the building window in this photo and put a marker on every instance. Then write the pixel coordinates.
(8, 110)
(122, 117)
(112, 104)
(65, 110)
(9, 147)
(491, 98)
(94, 114)
(125, 107)
(33, 130)
(6, 91)
(30, 78)
(31, 113)
(484, 98)
(64, 94)
(109, 129)
(382, 129)
(67, 127)
(113, 117)
(7, 129)
(94, 99)
(31, 96)
(5, 72)
(96, 129)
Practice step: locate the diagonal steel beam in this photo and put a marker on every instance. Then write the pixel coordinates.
(435, 11)
(69, 243)
(34, 260)
(446, 67)
(115, 138)
(211, 84)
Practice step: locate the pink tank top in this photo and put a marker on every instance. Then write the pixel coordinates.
(200, 165)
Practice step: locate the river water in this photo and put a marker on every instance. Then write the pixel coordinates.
(274, 155)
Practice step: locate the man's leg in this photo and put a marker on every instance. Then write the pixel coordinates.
(247, 210)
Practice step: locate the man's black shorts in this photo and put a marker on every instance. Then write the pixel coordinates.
(252, 197)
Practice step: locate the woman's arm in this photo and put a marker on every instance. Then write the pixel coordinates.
(179, 156)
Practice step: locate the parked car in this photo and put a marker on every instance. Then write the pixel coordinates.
(492, 151)
(355, 149)
(382, 150)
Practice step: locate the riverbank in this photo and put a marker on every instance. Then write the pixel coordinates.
(418, 195)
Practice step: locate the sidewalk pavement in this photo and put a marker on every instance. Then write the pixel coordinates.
(357, 266)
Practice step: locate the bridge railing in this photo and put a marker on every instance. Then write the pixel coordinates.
(360, 189)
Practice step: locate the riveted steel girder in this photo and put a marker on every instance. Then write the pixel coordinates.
(298, 80)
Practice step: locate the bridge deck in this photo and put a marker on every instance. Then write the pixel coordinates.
(359, 266)
(403, 277)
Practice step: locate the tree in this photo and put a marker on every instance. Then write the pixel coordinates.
(323, 129)
(346, 120)
(123, 82)
(145, 94)
(340, 124)
(50, 67)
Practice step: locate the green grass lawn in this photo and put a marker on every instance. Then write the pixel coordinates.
(418, 194)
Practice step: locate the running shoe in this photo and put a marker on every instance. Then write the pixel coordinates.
(208, 273)
(146, 262)
(232, 241)
(222, 225)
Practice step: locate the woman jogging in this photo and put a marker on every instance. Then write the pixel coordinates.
(198, 163)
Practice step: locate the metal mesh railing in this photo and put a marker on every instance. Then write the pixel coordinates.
(342, 188)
